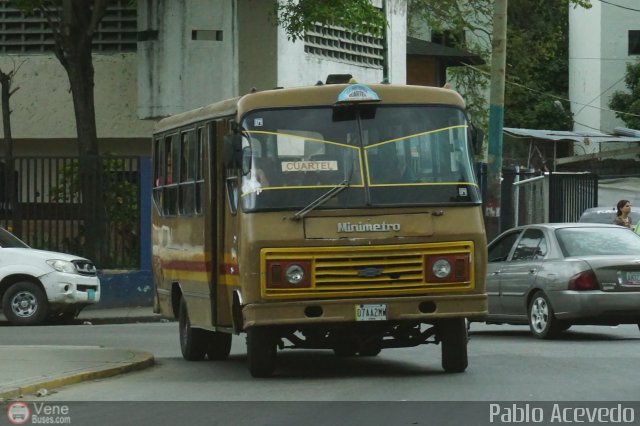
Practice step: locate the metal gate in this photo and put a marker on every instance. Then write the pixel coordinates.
(553, 197)
(47, 213)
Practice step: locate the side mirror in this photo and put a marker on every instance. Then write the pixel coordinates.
(246, 160)
(232, 150)
(477, 138)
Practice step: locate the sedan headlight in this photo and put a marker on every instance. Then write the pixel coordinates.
(62, 266)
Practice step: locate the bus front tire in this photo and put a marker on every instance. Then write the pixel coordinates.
(261, 351)
(218, 346)
(193, 341)
(453, 337)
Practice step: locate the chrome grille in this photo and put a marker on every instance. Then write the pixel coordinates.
(85, 267)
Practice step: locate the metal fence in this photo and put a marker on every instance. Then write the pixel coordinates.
(47, 212)
(553, 197)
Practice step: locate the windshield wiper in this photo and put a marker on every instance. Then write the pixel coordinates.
(327, 195)
(322, 199)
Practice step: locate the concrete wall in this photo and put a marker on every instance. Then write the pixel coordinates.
(296, 68)
(177, 72)
(43, 121)
(257, 46)
(584, 65)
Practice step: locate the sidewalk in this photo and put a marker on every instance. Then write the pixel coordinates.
(26, 370)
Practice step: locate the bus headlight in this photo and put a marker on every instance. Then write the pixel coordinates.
(448, 268)
(441, 268)
(288, 274)
(294, 274)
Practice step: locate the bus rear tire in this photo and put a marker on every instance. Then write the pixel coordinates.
(193, 341)
(453, 337)
(218, 346)
(261, 351)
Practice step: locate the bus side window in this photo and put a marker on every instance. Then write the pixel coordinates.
(186, 191)
(198, 164)
(170, 191)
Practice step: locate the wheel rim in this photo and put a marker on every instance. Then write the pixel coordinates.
(24, 304)
(539, 314)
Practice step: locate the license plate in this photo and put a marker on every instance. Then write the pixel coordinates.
(371, 312)
(91, 294)
(633, 278)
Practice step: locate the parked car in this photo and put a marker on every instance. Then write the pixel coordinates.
(38, 285)
(553, 276)
(606, 215)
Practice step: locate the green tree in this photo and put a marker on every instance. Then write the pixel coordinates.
(73, 24)
(537, 65)
(298, 16)
(536, 55)
(469, 23)
(627, 104)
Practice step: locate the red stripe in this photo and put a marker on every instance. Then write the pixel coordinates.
(229, 269)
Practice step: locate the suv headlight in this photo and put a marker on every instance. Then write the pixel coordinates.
(62, 266)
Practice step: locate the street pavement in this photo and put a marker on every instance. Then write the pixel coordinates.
(28, 371)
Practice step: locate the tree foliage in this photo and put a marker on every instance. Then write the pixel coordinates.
(627, 104)
(537, 67)
(298, 16)
(73, 24)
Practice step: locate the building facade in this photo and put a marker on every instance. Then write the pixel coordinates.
(602, 41)
(198, 52)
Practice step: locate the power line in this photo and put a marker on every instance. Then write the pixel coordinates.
(600, 95)
(550, 95)
(617, 5)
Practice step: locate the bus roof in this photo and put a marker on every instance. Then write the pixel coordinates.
(310, 96)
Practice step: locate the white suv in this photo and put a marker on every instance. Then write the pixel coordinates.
(38, 285)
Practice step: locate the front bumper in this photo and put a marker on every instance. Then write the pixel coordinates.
(68, 289)
(596, 306)
(424, 308)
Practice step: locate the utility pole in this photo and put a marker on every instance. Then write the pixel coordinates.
(496, 118)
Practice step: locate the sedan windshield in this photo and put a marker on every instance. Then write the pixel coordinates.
(598, 241)
(385, 155)
(8, 240)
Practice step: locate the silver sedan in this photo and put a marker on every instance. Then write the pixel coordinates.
(553, 276)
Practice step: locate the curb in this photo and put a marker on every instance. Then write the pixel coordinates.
(121, 320)
(140, 361)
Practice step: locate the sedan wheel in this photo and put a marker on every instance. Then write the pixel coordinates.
(25, 303)
(542, 321)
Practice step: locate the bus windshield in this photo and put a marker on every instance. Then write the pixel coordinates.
(390, 155)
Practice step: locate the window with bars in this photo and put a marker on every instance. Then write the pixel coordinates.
(20, 33)
(336, 43)
(634, 42)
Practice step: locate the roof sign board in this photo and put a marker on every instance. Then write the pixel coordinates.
(357, 93)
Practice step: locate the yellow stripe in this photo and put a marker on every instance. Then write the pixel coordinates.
(463, 126)
(301, 137)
